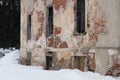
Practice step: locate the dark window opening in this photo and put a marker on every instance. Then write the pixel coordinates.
(29, 27)
(48, 62)
(50, 21)
(80, 16)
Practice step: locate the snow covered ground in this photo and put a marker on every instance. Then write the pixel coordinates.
(10, 69)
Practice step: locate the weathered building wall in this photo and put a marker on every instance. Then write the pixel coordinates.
(97, 50)
(109, 41)
(35, 45)
(25, 10)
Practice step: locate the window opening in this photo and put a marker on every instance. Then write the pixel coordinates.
(80, 16)
(29, 27)
(50, 21)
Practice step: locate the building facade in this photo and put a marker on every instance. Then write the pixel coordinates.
(82, 34)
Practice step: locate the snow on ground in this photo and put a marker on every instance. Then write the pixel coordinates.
(10, 69)
(4, 51)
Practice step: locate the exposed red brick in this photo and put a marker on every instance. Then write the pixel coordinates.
(57, 30)
(58, 3)
(116, 63)
(91, 61)
(92, 64)
(115, 69)
(41, 19)
(63, 45)
(39, 32)
(96, 22)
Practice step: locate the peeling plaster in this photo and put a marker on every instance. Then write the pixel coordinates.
(63, 43)
(96, 22)
(59, 3)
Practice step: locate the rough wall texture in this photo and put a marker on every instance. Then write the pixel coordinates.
(62, 60)
(37, 9)
(59, 3)
(38, 57)
(98, 49)
(96, 22)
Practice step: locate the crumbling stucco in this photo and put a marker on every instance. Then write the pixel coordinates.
(41, 21)
(59, 3)
(97, 47)
(96, 21)
(38, 57)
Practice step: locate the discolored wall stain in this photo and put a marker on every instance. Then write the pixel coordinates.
(41, 19)
(63, 38)
(92, 64)
(115, 69)
(49, 42)
(91, 61)
(57, 40)
(96, 22)
(35, 1)
(44, 1)
(63, 45)
(64, 61)
(57, 31)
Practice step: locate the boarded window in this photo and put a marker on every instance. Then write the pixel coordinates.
(79, 62)
(50, 21)
(29, 27)
(80, 16)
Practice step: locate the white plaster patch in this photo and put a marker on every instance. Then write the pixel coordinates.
(98, 63)
(30, 45)
(65, 55)
(41, 41)
(39, 5)
(92, 50)
(112, 52)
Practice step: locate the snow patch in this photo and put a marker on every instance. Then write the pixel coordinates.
(10, 69)
(11, 58)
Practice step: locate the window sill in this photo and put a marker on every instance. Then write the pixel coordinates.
(79, 34)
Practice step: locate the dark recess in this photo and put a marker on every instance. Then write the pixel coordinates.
(80, 16)
(50, 21)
